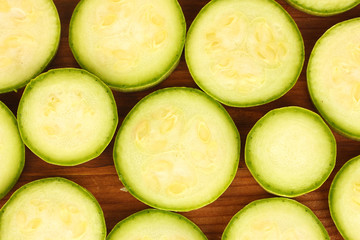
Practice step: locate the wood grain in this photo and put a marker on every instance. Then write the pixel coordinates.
(99, 175)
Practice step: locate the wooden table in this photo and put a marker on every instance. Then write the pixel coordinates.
(99, 175)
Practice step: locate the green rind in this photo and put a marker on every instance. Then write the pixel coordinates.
(46, 63)
(337, 127)
(338, 175)
(260, 201)
(46, 158)
(152, 83)
(22, 162)
(262, 182)
(320, 13)
(59, 179)
(151, 211)
(128, 118)
(133, 87)
(251, 104)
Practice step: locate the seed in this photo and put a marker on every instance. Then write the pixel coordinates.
(142, 131)
(204, 132)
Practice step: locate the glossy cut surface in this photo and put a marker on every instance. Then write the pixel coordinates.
(99, 176)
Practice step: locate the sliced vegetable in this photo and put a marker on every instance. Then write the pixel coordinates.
(333, 77)
(67, 116)
(130, 44)
(52, 208)
(244, 52)
(29, 38)
(12, 151)
(290, 151)
(324, 7)
(275, 218)
(177, 149)
(344, 199)
(156, 224)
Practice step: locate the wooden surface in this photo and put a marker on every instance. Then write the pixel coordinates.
(99, 175)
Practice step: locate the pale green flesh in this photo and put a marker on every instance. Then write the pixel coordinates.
(324, 7)
(29, 38)
(130, 44)
(290, 151)
(344, 199)
(67, 116)
(333, 77)
(156, 225)
(52, 208)
(12, 151)
(173, 154)
(275, 219)
(244, 53)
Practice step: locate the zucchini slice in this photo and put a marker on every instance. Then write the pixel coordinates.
(175, 155)
(67, 116)
(333, 77)
(290, 151)
(344, 199)
(29, 39)
(12, 151)
(130, 44)
(52, 208)
(244, 52)
(323, 8)
(275, 218)
(156, 224)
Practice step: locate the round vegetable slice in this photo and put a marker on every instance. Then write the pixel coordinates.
(52, 208)
(67, 116)
(244, 52)
(29, 38)
(156, 224)
(344, 199)
(275, 218)
(290, 151)
(177, 149)
(12, 151)
(325, 7)
(333, 77)
(130, 44)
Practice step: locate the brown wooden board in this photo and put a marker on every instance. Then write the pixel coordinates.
(99, 175)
